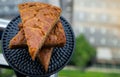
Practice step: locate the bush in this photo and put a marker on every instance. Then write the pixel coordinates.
(6, 73)
(84, 52)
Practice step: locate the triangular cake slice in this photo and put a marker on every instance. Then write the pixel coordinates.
(38, 27)
(57, 36)
(18, 40)
(44, 57)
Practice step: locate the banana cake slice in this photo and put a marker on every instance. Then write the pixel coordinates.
(38, 25)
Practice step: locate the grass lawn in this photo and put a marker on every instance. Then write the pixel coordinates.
(78, 73)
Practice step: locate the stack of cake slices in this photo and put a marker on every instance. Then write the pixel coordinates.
(40, 30)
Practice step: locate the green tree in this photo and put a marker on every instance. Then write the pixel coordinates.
(84, 52)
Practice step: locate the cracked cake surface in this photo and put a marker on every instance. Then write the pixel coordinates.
(38, 22)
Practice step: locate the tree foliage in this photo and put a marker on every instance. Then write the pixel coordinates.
(84, 52)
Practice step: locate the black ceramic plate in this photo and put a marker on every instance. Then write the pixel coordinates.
(20, 60)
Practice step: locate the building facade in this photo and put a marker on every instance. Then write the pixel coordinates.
(99, 21)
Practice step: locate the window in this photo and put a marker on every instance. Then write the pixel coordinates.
(68, 9)
(104, 53)
(115, 32)
(92, 40)
(69, 0)
(81, 30)
(81, 3)
(92, 30)
(103, 4)
(81, 16)
(103, 41)
(115, 42)
(103, 30)
(104, 18)
(92, 17)
(3, 0)
(6, 8)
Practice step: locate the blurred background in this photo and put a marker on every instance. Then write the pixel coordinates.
(97, 31)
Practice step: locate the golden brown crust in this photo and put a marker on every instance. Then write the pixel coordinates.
(34, 8)
(38, 22)
(20, 26)
(33, 41)
(44, 57)
(18, 40)
(57, 36)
